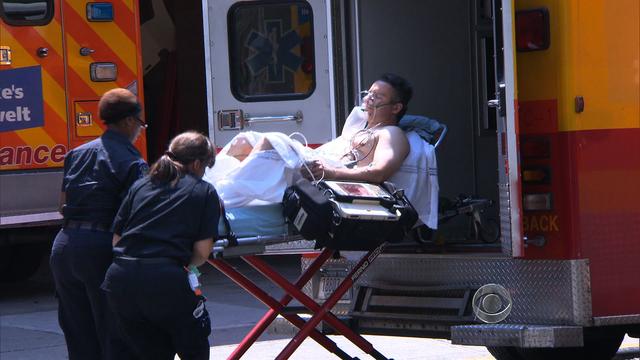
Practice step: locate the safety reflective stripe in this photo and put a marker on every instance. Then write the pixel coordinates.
(52, 81)
(111, 43)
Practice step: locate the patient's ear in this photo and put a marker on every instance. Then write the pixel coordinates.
(397, 107)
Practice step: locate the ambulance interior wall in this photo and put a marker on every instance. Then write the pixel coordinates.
(174, 80)
(431, 44)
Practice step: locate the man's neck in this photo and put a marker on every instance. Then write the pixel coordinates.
(120, 130)
(381, 122)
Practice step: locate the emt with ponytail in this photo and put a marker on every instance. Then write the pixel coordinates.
(167, 224)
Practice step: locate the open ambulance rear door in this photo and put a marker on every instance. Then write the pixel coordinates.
(268, 68)
(509, 182)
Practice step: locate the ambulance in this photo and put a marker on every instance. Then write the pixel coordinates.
(56, 59)
(541, 99)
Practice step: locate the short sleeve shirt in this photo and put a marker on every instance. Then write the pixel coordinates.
(161, 220)
(97, 176)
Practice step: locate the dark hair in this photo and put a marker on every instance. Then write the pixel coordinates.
(184, 149)
(118, 104)
(403, 90)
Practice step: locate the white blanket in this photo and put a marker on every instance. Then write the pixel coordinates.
(418, 176)
(264, 175)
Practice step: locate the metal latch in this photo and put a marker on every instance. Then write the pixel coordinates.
(500, 102)
(5, 55)
(230, 120)
(84, 119)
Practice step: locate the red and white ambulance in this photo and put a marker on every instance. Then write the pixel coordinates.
(541, 99)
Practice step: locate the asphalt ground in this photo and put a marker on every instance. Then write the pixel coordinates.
(29, 328)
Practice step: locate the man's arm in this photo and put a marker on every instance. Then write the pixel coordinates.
(391, 150)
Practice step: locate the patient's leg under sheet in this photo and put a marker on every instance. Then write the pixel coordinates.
(262, 175)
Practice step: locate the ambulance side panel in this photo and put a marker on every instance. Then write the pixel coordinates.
(57, 65)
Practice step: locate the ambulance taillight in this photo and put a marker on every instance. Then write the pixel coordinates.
(535, 152)
(532, 30)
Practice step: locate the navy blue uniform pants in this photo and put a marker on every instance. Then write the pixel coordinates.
(79, 261)
(157, 311)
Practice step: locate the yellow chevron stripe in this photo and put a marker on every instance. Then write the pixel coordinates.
(129, 4)
(36, 136)
(53, 93)
(54, 38)
(119, 42)
(81, 67)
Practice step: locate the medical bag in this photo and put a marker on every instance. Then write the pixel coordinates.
(345, 215)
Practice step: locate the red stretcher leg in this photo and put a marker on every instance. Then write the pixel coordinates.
(322, 312)
(268, 317)
(250, 287)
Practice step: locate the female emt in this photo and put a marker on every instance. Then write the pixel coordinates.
(165, 225)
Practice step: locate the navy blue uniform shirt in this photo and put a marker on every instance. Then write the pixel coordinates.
(97, 176)
(160, 220)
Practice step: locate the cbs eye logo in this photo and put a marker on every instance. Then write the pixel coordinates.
(491, 303)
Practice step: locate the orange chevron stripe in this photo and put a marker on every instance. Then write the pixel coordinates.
(31, 40)
(79, 84)
(57, 133)
(129, 4)
(9, 139)
(35, 136)
(124, 14)
(53, 89)
(76, 27)
(13, 140)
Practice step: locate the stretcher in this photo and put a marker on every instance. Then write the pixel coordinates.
(258, 228)
(264, 226)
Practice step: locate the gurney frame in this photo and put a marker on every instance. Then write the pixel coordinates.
(294, 291)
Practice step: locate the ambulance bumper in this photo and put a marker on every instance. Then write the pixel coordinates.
(526, 336)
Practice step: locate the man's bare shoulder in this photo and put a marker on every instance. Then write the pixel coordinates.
(392, 133)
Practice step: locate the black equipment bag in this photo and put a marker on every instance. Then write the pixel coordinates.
(308, 210)
(315, 212)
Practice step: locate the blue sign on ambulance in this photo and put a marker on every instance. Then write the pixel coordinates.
(21, 99)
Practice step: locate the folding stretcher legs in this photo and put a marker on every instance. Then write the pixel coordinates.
(320, 312)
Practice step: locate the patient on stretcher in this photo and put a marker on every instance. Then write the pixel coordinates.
(372, 148)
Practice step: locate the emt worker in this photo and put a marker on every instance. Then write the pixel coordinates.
(166, 225)
(97, 176)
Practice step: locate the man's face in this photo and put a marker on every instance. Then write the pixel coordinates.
(381, 101)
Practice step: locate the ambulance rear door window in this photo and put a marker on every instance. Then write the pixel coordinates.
(271, 50)
(26, 12)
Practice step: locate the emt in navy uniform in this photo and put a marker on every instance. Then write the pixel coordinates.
(166, 225)
(97, 176)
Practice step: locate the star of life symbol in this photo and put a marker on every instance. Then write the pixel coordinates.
(273, 51)
(491, 303)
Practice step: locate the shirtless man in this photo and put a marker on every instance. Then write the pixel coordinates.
(372, 154)
(379, 150)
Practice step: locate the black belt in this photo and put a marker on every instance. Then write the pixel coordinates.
(123, 259)
(86, 225)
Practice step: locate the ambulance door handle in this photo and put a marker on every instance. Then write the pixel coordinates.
(42, 52)
(500, 101)
(85, 51)
(248, 120)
